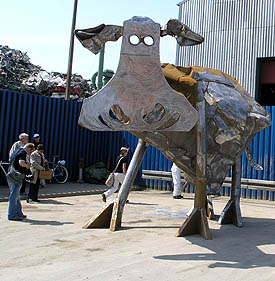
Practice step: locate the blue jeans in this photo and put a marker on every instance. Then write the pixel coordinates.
(15, 208)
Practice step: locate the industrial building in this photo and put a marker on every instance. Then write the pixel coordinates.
(239, 40)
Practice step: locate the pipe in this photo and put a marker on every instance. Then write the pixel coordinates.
(71, 50)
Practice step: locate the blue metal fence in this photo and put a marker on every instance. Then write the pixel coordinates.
(56, 121)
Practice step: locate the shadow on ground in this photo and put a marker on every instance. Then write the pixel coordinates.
(148, 227)
(141, 203)
(40, 222)
(235, 247)
(52, 201)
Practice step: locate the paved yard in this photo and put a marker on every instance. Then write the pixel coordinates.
(51, 245)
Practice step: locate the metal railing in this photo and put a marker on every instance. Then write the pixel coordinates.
(159, 175)
(245, 183)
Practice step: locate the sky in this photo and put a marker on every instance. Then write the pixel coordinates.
(42, 30)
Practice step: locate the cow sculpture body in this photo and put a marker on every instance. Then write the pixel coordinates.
(233, 118)
(200, 118)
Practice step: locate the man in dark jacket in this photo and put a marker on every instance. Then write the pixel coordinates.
(18, 164)
(23, 139)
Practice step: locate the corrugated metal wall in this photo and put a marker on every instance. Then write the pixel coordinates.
(56, 121)
(236, 33)
(263, 152)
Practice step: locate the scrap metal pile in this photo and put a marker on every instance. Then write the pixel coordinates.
(17, 73)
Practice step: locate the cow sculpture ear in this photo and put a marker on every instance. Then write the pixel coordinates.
(94, 38)
(183, 34)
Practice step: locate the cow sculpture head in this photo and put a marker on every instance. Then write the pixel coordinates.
(138, 98)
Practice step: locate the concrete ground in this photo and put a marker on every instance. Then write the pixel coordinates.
(51, 244)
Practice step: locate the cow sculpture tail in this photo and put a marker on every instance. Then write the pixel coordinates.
(252, 162)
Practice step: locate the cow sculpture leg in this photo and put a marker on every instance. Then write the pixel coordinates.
(111, 215)
(196, 222)
(126, 186)
(232, 212)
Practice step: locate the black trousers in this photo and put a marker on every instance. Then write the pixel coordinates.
(33, 191)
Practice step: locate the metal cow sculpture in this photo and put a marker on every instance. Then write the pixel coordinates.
(200, 118)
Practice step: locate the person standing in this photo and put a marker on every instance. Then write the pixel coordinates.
(36, 140)
(19, 163)
(23, 139)
(37, 164)
(121, 163)
(176, 181)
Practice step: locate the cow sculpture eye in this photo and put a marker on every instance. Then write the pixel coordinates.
(134, 40)
(148, 41)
